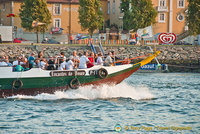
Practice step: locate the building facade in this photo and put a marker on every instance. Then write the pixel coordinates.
(171, 15)
(64, 14)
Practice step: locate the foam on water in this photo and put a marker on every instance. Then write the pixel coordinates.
(122, 90)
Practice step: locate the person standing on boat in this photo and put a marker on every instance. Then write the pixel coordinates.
(114, 57)
(99, 59)
(43, 64)
(108, 60)
(31, 60)
(70, 63)
(7, 61)
(76, 59)
(91, 59)
(84, 61)
(3, 62)
(51, 64)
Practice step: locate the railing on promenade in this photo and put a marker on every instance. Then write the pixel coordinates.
(114, 42)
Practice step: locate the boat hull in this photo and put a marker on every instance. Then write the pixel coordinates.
(38, 85)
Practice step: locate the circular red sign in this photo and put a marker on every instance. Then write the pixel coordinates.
(167, 38)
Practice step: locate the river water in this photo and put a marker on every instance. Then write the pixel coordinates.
(143, 103)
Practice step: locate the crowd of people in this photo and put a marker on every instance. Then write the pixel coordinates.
(60, 62)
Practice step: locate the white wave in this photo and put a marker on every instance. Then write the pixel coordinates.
(122, 90)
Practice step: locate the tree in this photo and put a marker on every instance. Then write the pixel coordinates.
(193, 16)
(90, 15)
(35, 11)
(138, 14)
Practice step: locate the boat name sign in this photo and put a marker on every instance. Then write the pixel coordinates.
(67, 73)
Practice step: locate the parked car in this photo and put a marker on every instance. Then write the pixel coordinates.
(50, 41)
(182, 43)
(20, 40)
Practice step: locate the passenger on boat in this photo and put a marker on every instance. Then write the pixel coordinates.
(91, 59)
(108, 60)
(19, 61)
(31, 60)
(84, 61)
(25, 64)
(114, 57)
(95, 58)
(43, 64)
(51, 64)
(99, 59)
(3, 62)
(70, 63)
(61, 58)
(76, 58)
(62, 64)
(40, 55)
(15, 63)
(37, 63)
(7, 61)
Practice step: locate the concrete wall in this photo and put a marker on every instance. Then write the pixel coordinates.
(169, 54)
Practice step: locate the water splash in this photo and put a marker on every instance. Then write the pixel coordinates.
(122, 90)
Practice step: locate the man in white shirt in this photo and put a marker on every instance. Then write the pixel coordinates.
(70, 64)
(83, 61)
(62, 65)
(108, 60)
(76, 58)
(18, 61)
(99, 59)
(3, 63)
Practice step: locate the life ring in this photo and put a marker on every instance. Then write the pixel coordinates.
(74, 83)
(17, 84)
(102, 73)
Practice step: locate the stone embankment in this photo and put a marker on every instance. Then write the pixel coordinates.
(178, 58)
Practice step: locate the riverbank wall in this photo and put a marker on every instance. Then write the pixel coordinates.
(178, 58)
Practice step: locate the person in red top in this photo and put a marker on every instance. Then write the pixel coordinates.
(91, 59)
(71, 39)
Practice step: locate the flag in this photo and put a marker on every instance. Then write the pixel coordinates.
(146, 32)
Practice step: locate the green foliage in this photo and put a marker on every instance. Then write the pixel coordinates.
(141, 14)
(193, 16)
(35, 10)
(90, 15)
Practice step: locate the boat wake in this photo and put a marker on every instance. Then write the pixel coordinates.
(122, 90)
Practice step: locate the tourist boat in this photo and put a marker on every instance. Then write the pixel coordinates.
(36, 80)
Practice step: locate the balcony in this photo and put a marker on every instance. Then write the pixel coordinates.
(162, 8)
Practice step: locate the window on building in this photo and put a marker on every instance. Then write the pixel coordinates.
(162, 3)
(181, 3)
(57, 22)
(161, 17)
(108, 7)
(113, 6)
(180, 17)
(57, 9)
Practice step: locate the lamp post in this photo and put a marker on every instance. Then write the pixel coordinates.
(69, 20)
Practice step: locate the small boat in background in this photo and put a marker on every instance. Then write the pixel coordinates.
(36, 80)
(153, 68)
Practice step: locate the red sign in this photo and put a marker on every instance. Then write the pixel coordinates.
(167, 38)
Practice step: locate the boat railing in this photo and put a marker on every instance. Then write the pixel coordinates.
(118, 59)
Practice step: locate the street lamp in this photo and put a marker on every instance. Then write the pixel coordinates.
(70, 2)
